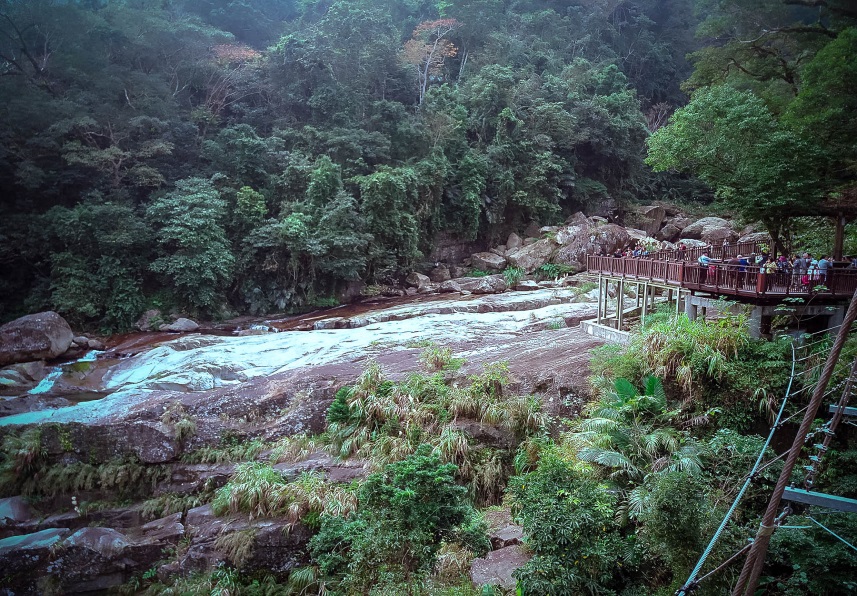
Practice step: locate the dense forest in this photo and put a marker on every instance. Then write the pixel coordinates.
(226, 156)
(212, 158)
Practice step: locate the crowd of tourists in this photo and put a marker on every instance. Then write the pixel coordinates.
(795, 272)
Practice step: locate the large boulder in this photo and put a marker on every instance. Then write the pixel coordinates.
(712, 230)
(650, 218)
(41, 336)
(417, 280)
(529, 258)
(149, 320)
(490, 284)
(88, 560)
(488, 261)
(513, 242)
(13, 511)
(180, 325)
(440, 274)
(669, 232)
(588, 237)
(762, 237)
(680, 221)
(532, 230)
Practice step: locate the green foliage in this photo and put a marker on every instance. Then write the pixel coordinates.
(322, 171)
(260, 491)
(513, 275)
(436, 358)
(553, 271)
(569, 524)
(811, 561)
(195, 255)
(385, 422)
(731, 140)
(713, 364)
(404, 514)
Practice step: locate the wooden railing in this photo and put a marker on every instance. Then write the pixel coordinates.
(722, 278)
(720, 252)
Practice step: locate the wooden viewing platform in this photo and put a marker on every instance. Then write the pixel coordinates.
(726, 280)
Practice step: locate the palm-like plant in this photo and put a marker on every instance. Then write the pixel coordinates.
(630, 435)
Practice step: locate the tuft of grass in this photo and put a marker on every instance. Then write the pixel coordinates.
(183, 425)
(260, 491)
(478, 273)
(553, 271)
(453, 562)
(238, 546)
(171, 503)
(21, 459)
(513, 275)
(294, 448)
(556, 324)
(245, 451)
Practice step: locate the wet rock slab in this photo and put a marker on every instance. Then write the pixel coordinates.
(496, 568)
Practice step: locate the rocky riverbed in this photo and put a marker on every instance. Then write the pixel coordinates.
(124, 407)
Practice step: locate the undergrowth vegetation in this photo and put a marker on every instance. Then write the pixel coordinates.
(626, 499)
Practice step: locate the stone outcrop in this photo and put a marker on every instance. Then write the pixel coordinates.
(90, 559)
(41, 336)
(712, 230)
(496, 568)
(488, 261)
(490, 284)
(180, 325)
(651, 218)
(440, 274)
(417, 280)
(529, 258)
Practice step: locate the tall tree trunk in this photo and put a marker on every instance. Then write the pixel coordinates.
(839, 237)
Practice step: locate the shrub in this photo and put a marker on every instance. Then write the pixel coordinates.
(260, 491)
(553, 271)
(405, 513)
(568, 523)
(513, 275)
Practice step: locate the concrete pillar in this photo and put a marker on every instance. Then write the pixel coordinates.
(689, 308)
(836, 319)
(754, 324)
(600, 289)
(620, 306)
(645, 302)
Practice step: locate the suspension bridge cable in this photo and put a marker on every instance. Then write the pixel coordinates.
(832, 533)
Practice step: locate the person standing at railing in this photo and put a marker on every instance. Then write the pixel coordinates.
(770, 269)
(732, 267)
(799, 268)
(704, 261)
(783, 271)
(742, 269)
(824, 267)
